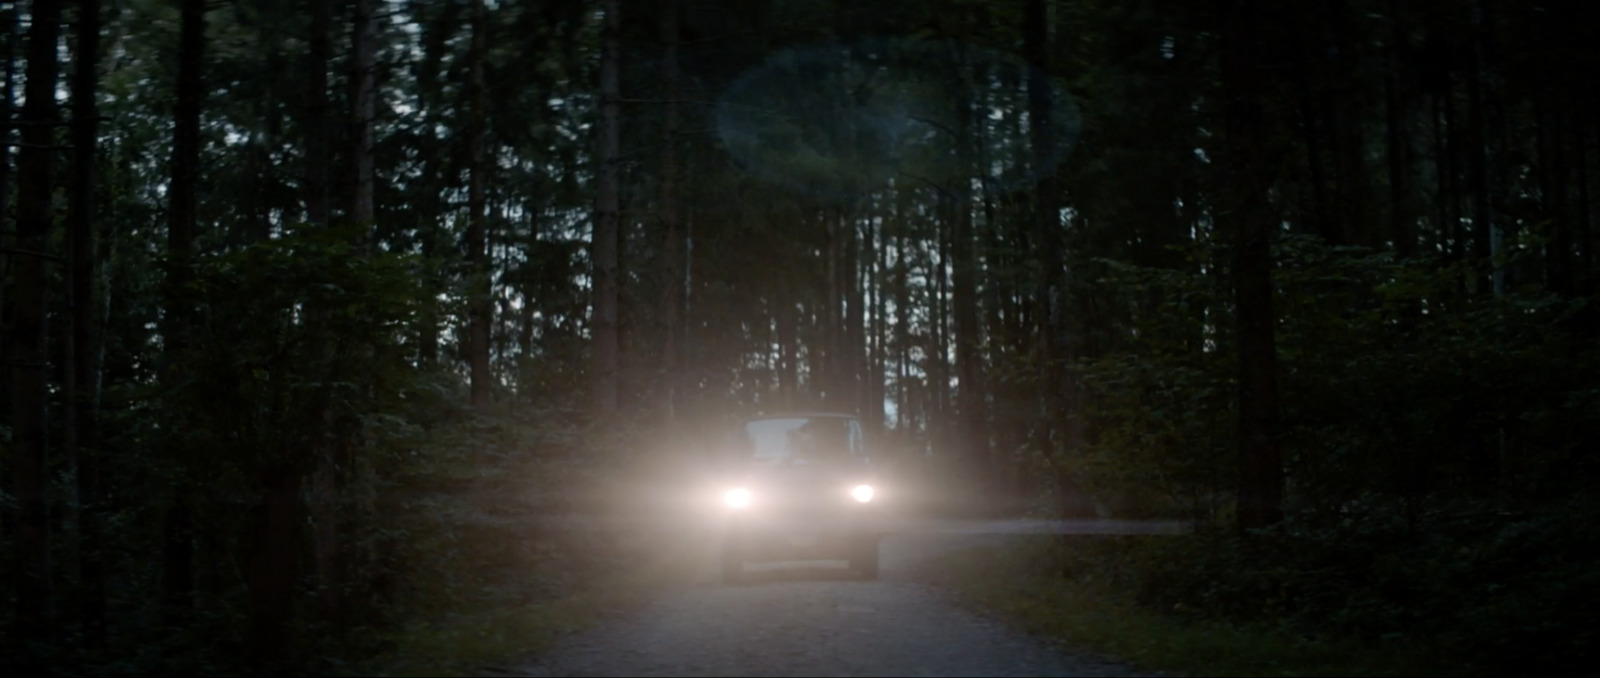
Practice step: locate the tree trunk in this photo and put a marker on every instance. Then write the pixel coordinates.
(316, 115)
(436, 34)
(866, 278)
(323, 461)
(902, 313)
(788, 354)
(1397, 90)
(272, 532)
(1444, 154)
(1060, 427)
(671, 222)
(85, 359)
(938, 369)
(477, 229)
(827, 360)
(1558, 254)
(606, 240)
(178, 540)
(1486, 234)
(1321, 214)
(342, 550)
(1584, 276)
(878, 394)
(7, 96)
(972, 417)
(1260, 465)
(851, 343)
(29, 372)
(1347, 135)
(363, 108)
(273, 548)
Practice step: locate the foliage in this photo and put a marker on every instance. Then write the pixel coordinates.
(1163, 408)
(1477, 590)
(1375, 355)
(1468, 591)
(1073, 589)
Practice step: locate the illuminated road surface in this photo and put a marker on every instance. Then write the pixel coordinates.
(811, 618)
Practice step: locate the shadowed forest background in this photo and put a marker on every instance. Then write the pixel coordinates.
(309, 307)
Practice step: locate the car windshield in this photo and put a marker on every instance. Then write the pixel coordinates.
(801, 439)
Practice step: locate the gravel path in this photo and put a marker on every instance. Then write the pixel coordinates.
(811, 619)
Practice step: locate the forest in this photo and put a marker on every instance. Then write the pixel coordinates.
(306, 305)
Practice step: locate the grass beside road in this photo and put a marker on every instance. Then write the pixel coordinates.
(1026, 582)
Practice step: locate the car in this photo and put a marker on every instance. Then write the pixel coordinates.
(799, 486)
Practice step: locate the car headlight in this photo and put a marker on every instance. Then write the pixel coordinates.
(861, 493)
(736, 498)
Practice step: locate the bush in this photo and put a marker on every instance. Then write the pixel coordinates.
(1483, 591)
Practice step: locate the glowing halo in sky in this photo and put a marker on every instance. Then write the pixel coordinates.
(836, 121)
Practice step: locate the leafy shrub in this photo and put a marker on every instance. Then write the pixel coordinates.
(1483, 591)
(1394, 386)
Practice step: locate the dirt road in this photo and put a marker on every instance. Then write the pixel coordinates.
(812, 619)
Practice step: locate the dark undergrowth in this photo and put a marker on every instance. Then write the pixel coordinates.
(1448, 592)
(492, 540)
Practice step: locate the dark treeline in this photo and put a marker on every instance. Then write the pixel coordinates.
(283, 280)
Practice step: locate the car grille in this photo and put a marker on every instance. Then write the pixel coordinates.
(804, 501)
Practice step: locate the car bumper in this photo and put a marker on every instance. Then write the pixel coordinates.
(840, 522)
(758, 536)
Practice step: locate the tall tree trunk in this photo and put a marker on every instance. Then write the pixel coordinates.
(1321, 214)
(1444, 160)
(1454, 197)
(862, 298)
(273, 529)
(993, 257)
(1558, 254)
(318, 53)
(1584, 246)
(1020, 241)
(273, 561)
(878, 394)
(851, 343)
(1486, 234)
(29, 372)
(788, 354)
(1397, 90)
(606, 239)
(363, 108)
(333, 460)
(477, 229)
(428, 314)
(86, 369)
(178, 540)
(829, 357)
(322, 488)
(1060, 407)
(902, 313)
(972, 417)
(671, 221)
(7, 97)
(1260, 496)
(1347, 135)
(939, 352)
(435, 45)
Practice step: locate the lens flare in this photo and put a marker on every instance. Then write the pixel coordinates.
(737, 498)
(837, 121)
(862, 493)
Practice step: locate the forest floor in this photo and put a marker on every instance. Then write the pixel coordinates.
(814, 618)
